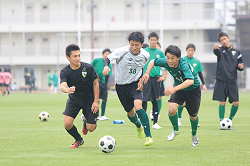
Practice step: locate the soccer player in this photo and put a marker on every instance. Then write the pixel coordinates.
(151, 89)
(55, 81)
(7, 80)
(1, 82)
(98, 64)
(196, 64)
(49, 82)
(162, 88)
(27, 80)
(80, 80)
(229, 60)
(130, 61)
(186, 89)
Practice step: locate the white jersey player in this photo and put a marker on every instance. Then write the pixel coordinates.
(128, 66)
(130, 61)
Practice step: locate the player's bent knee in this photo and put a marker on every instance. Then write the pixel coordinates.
(236, 104)
(91, 127)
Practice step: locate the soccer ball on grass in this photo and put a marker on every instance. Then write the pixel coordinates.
(44, 116)
(107, 144)
(226, 124)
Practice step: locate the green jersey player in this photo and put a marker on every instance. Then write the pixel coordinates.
(98, 64)
(186, 89)
(196, 64)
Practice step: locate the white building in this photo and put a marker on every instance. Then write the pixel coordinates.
(34, 33)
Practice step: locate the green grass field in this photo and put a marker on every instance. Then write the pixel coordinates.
(24, 140)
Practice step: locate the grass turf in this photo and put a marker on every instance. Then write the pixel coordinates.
(24, 140)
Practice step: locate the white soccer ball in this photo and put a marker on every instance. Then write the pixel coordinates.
(83, 118)
(226, 124)
(44, 116)
(107, 144)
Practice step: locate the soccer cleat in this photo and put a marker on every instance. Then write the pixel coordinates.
(99, 118)
(195, 140)
(139, 132)
(103, 118)
(156, 126)
(84, 131)
(149, 141)
(199, 125)
(172, 135)
(78, 143)
(179, 122)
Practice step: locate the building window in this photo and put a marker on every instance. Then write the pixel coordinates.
(45, 39)
(176, 37)
(129, 5)
(30, 39)
(29, 7)
(45, 7)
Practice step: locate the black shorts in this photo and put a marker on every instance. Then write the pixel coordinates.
(74, 105)
(151, 89)
(224, 89)
(1, 84)
(127, 94)
(192, 98)
(6, 85)
(162, 89)
(27, 82)
(103, 92)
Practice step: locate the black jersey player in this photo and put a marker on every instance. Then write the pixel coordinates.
(79, 79)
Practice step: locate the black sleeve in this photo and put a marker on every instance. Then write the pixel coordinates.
(240, 60)
(106, 62)
(216, 52)
(202, 78)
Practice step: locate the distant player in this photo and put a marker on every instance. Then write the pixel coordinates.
(151, 89)
(229, 60)
(79, 79)
(129, 63)
(7, 80)
(196, 64)
(55, 81)
(186, 89)
(27, 80)
(162, 88)
(1, 81)
(98, 64)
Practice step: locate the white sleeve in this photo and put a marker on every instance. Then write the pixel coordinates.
(115, 55)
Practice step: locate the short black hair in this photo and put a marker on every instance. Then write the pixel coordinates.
(172, 49)
(159, 44)
(221, 34)
(191, 45)
(71, 47)
(48, 71)
(153, 34)
(136, 36)
(106, 50)
(145, 45)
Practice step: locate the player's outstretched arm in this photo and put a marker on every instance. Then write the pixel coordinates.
(145, 77)
(95, 105)
(164, 76)
(65, 89)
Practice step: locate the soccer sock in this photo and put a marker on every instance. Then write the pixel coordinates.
(159, 105)
(74, 133)
(145, 122)
(145, 105)
(221, 112)
(180, 109)
(135, 120)
(194, 125)
(103, 107)
(155, 110)
(233, 112)
(174, 121)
